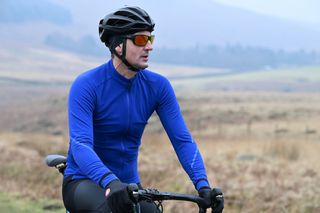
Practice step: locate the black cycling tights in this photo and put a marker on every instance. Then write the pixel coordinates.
(85, 196)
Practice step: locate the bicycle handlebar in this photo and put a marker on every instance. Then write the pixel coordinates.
(155, 195)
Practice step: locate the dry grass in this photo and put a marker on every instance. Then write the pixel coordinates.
(256, 176)
(23, 170)
(261, 148)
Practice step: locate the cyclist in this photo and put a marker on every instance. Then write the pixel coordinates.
(108, 109)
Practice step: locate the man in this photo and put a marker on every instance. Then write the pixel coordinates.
(108, 109)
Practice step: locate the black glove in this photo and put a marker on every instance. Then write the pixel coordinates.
(205, 193)
(217, 200)
(118, 199)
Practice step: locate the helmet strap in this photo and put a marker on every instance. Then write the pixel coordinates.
(123, 57)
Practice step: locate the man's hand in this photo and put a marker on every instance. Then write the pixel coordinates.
(118, 198)
(212, 198)
(205, 193)
(217, 200)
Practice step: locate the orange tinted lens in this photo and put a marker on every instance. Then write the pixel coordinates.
(140, 40)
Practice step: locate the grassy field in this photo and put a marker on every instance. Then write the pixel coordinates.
(14, 204)
(261, 148)
(260, 145)
(284, 79)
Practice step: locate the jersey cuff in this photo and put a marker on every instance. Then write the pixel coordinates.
(107, 179)
(202, 183)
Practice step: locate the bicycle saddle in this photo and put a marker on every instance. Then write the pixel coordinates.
(55, 160)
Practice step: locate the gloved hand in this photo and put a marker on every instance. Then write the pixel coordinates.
(205, 193)
(217, 200)
(118, 198)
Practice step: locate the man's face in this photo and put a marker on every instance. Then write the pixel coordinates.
(138, 55)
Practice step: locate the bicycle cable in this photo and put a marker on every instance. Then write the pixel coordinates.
(159, 206)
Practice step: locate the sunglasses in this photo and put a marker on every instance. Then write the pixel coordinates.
(141, 40)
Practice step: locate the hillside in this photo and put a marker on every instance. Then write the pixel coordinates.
(259, 142)
(45, 66)
(222, 24)
(258, 130)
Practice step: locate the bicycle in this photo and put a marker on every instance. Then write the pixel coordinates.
(150, 195)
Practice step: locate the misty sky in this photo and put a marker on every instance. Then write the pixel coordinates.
(299, 10)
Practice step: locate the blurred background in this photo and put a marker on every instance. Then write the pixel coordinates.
(246, 74)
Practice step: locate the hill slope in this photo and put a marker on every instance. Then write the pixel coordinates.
(185, 23)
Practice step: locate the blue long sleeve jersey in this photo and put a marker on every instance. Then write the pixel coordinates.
(107, 116)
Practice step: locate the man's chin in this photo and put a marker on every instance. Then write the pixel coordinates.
(142, 66)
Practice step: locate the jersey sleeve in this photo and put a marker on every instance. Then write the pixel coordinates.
(187, 151)
(81, 106)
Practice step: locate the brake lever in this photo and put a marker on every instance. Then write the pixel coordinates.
(132, 188)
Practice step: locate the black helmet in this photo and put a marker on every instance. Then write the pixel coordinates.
(127, 20)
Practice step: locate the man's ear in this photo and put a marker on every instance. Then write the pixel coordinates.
(118, 49)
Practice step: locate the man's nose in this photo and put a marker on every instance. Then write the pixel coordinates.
(149, 46)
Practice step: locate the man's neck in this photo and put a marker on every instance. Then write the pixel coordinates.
(122, 69)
